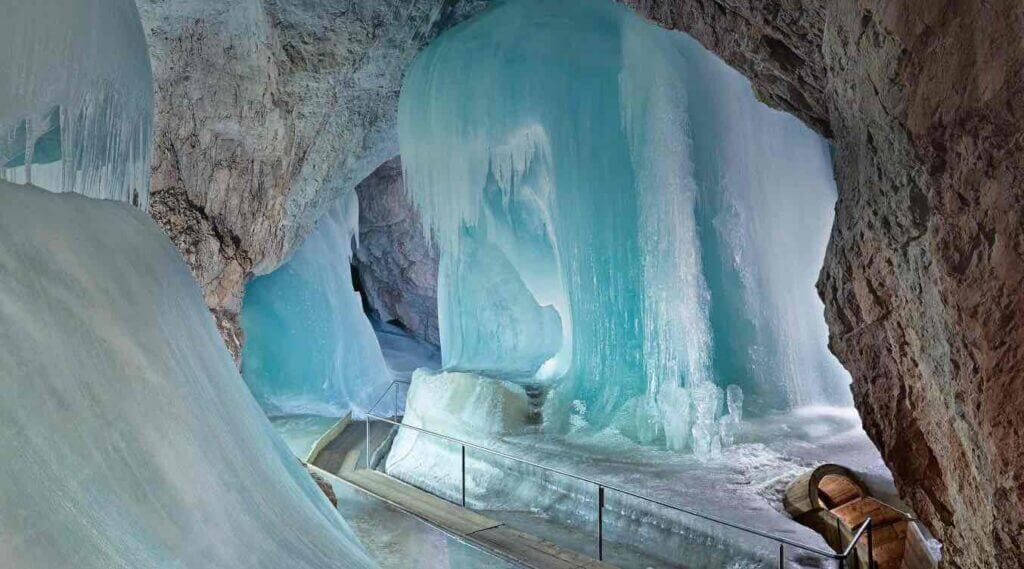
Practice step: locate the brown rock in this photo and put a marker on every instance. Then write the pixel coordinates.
(923, 100)
(325, 487)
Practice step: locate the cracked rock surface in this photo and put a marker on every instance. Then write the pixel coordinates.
(265, 112)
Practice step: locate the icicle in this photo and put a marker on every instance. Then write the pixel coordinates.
(76, 104)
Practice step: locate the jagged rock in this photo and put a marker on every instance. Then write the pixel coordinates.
(397, 264)
(923, 285)
(265, 111)
(324, 485)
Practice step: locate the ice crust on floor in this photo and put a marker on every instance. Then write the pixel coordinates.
(309, 348)
(743, 485)
(635, 187)
(128, 437)
(76, 99)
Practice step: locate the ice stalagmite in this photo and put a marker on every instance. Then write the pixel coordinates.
(662, 228)
(76, 98)
(309, 347)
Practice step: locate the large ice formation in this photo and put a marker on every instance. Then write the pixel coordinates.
(655, 230)
(310, 348)
(128, 438)
(76, 98)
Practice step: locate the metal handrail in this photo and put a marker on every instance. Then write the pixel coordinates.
(866, 526)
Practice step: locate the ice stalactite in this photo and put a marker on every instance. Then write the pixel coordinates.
(76, 100)
(668, 226)
(310, 349)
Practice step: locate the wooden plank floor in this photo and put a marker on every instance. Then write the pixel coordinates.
(344, 457)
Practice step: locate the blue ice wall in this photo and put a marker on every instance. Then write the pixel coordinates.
(309, 347)
(636, 187)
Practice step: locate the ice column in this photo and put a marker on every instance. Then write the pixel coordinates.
(631, 183)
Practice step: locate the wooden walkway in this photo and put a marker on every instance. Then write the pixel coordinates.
(834, 502)
(345, 458)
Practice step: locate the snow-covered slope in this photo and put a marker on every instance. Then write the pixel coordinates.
(128, 438)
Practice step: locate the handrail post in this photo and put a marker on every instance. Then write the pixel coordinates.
(396, 400)
(463, 476)
(600, 523)
(782, 557)
(871, 549)
(368, 442)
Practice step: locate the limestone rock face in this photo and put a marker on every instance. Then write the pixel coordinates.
(265, 112)
(924, 277)
(396, 263)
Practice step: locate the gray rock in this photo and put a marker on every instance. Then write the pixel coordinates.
(396, 263)
(265, 113)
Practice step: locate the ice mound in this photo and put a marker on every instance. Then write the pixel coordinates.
(460, 405)
(309, 347)
(128, 438)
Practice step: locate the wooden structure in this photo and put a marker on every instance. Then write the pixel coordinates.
(834, 502)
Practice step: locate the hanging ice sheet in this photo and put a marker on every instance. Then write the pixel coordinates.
(76, 98)
(310, 348)
(635, 186)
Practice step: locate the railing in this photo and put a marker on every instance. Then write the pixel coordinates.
(841, 557)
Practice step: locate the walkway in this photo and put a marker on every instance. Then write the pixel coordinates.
(833, 501)
(345, 457)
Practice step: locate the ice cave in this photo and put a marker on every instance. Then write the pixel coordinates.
(510, 283)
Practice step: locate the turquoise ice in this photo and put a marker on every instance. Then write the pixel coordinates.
(655, 227)
(309, 347)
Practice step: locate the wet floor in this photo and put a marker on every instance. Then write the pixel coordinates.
(395, 539)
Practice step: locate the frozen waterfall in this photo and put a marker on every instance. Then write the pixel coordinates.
(620, 219)
(76, 98)
(309, 347)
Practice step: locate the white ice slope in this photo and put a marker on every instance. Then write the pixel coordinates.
(127, 437)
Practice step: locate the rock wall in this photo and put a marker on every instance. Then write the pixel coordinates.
(265, 112)
(397, 264)
(923, 287)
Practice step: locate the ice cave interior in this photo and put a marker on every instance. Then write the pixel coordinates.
(628, 243)
(628, 248)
